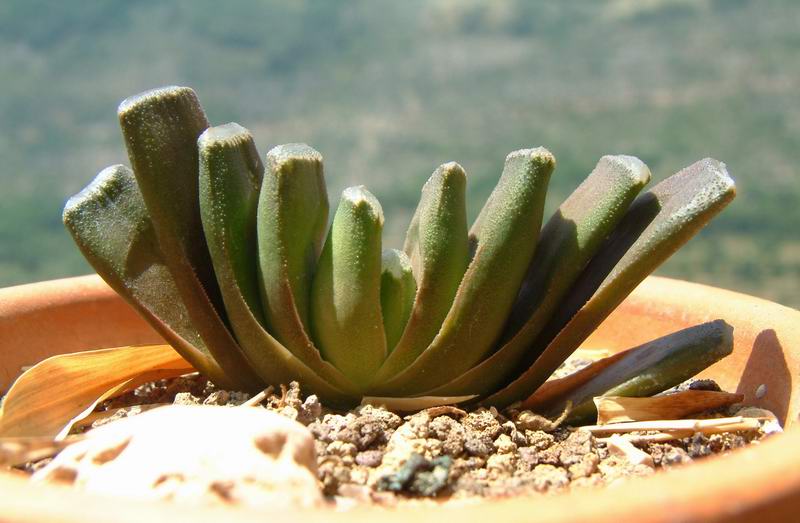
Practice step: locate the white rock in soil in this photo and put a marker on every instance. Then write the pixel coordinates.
(621, 446)
(769, 422)
(199, 454)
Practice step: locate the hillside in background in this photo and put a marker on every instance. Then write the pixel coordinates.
(388, 90)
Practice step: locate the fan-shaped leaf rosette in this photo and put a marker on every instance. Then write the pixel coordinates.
(228, 257)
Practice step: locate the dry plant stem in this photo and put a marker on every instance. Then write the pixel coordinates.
(663, 437)
(705, 426)
(256, 400)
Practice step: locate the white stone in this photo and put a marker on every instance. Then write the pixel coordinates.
(198, 454)
(621, 446)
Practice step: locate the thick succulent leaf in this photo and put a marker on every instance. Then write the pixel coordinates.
(161, 128)
(658, 223)
(567, 243)
(643, 371)
(230, 179)
(346, 320)
(504, 245)
(437, 245)
(110, 225)
(398, 289)
(292, 218)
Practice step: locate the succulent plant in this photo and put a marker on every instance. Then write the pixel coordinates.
(228, 258)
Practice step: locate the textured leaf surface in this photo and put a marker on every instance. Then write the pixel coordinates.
(658, 223)
(504, 240)
(346, 316)
(567, 243)
(292, 218)
(161, 128)
(398, 289)
(230, 180)
(438, 247)
(109, 223)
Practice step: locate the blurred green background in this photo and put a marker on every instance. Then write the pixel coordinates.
(387, 90)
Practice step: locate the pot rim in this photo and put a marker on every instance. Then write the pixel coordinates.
(760, 480)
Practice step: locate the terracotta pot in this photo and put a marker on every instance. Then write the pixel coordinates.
(761, 482)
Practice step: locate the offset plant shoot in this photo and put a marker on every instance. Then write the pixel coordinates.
(228, 255)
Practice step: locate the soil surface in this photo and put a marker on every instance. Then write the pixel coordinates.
(370, 454)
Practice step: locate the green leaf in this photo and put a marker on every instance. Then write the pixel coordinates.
(504, 240)
(658, 223)
(567, 243)
(398, 289)
(346, 320)
(161, 128)
(292, 218)
(230, 180)
(110, 225)
(437, 245)
(645, 370)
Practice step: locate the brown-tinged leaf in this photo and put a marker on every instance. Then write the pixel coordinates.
(616, 409)
(643, 371)
(110, 224)
(161, 128)
(554, 390)
(55, 393)
(657, 224)
(566, 245)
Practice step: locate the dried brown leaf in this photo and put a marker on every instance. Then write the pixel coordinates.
(617, 409)
(59, 391)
